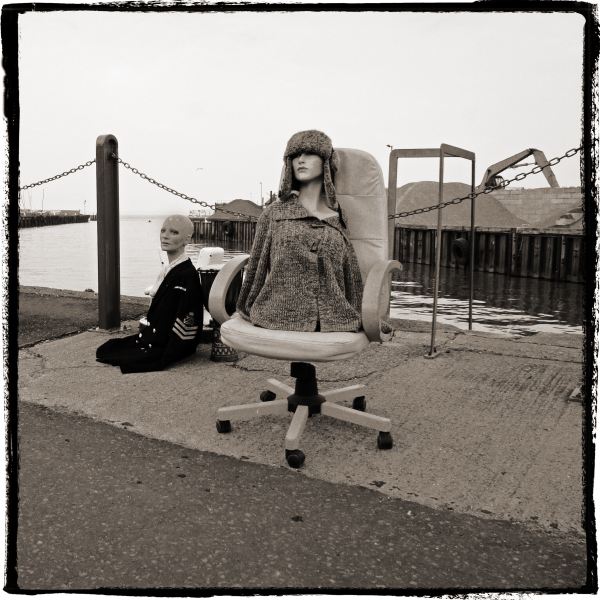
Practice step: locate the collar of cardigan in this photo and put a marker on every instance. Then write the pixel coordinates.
(292, 209)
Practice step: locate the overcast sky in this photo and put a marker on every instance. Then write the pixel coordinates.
(205, 102)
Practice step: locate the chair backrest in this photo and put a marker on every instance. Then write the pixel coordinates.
(361, 192)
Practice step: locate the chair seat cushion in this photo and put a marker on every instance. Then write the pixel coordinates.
(291, 345)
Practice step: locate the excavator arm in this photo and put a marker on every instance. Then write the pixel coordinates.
(492, 172)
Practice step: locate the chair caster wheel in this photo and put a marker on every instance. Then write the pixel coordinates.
(359, 403)
(223, 426)
(384, 440)
(295, 458)
(267, 396)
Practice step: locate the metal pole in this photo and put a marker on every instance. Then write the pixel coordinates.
(472, 246)
(392, 193)
(107, 196)
(438, 255)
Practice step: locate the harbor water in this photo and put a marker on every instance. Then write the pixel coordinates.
(501, 304)
(65, 256)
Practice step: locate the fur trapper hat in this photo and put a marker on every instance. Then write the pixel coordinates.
(311, 142)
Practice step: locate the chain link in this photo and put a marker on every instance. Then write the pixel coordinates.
(487, 189)
(166, 188)
(89, 163)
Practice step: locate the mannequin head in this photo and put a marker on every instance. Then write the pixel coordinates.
(175, 233)
(307, 167)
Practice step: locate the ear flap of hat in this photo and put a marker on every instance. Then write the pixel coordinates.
(334, 160)
(285, 184)
(328, 185)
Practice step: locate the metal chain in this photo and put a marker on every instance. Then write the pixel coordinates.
(162, 186)
(64, 174)
(425, 209)
(487, 189)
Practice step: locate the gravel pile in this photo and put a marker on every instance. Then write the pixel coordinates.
(489, 211)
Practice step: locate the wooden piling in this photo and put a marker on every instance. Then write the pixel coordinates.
(225, 233)
(107, 193)
(44, 219)
(548, 254)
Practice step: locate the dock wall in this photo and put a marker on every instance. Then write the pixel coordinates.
(225, 232)
(551, 254)
(43, 220)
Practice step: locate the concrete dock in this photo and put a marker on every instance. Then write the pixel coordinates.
(487, 429)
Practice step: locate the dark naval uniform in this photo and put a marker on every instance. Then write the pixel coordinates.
(174, 326)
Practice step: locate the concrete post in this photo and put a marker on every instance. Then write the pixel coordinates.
(107, 195)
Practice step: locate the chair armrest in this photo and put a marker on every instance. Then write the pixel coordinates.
(376, 278)
(218, 291)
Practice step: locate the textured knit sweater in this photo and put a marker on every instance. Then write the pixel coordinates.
(303, 274)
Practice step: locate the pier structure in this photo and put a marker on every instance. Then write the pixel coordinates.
(43, 219)
(237, 225)
(518, 252)
(522, 232)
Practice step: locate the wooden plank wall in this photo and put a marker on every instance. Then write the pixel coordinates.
(43, 220)
(225, 232)
(554, 255)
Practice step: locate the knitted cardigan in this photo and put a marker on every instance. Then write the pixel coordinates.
(302, 273)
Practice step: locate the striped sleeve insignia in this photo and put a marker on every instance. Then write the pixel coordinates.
(178, 287)
(186, 329)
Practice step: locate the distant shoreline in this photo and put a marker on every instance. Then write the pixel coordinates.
(64, 293)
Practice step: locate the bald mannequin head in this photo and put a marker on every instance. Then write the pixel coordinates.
(175, 233)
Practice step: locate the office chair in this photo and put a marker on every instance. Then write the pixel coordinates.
(361, 193)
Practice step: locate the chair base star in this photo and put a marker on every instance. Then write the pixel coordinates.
(304, 401)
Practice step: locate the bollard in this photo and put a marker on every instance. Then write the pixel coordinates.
(107, 197)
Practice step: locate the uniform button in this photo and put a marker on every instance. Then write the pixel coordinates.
(149, 345)
(154, 331)
(139, 335)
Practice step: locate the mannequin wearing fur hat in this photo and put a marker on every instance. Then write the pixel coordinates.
(303, 274)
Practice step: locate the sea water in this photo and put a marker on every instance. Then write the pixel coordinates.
(65, 256)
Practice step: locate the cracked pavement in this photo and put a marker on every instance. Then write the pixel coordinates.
(484, 428)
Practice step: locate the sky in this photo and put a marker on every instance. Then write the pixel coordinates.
(205, 102)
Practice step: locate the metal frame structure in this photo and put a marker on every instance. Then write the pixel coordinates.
(511, 162)
(445, 150)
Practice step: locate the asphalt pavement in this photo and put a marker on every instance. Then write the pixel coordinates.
(103, 507)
